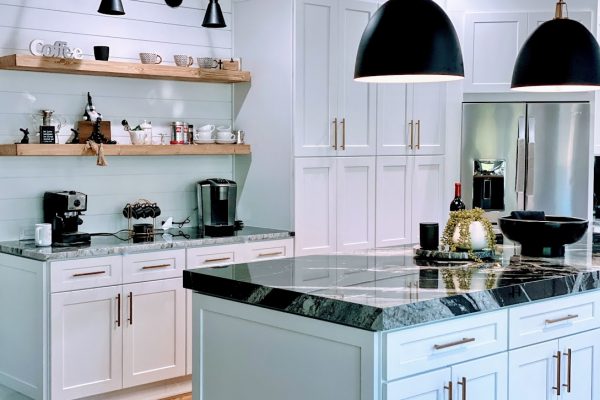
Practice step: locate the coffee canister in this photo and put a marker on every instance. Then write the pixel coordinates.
(178, 132)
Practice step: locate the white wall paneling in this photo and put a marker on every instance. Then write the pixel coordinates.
(148, 25)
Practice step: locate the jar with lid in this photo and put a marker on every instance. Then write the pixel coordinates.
(147, 128)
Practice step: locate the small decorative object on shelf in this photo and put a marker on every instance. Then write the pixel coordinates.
(59, 49)
(75, 139)
(469, 230)
(90, 113)
(457, 203)
(25, 139)
(97, 136)
(47, 129)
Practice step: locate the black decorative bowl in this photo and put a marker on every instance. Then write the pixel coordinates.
(543, 238)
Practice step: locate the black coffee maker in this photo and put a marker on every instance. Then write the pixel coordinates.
(216, 206)
(62, 210)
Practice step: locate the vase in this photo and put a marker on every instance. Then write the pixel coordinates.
(478, 236)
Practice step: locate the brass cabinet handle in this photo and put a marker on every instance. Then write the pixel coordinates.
(450, 390)
(410, 146)
(451, 344)
(418, 134)
(156, 266)
(568, 384)
(275, 253)
(343, 133)
(561, 319)
(118, 309)
(557, 387)
(130, 319)
(335, 143)
(463, 384)
(209, 260)
(88, 273)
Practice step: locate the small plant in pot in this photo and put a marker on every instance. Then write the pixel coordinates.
(468, 230)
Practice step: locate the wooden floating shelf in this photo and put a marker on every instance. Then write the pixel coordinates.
(123, 150)
(22, 62)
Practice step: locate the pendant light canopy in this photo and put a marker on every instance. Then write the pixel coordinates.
(561, 55)
(409, 41)
(111, 7)
(214, 16)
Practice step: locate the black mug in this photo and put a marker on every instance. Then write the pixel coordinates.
(143, 233)
(101, 53)
(429, 236)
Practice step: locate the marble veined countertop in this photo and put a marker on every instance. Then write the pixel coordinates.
(111, 245)
(389, 289)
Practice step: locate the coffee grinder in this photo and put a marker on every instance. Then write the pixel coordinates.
(62, 210)
(216, 206)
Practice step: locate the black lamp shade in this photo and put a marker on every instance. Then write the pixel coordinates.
(111, 7)
(409, 41)
(214, 16)
(561, 55)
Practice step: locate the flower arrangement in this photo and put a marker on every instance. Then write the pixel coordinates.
(462, 221)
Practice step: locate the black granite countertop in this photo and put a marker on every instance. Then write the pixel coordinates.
(113, 245)
(389, 289)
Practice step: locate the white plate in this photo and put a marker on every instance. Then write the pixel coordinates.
(203, 141)
(227, 141)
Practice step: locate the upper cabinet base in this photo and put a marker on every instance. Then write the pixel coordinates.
(122, 150)
(128, 70)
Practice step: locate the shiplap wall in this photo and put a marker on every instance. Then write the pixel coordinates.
(148, 26)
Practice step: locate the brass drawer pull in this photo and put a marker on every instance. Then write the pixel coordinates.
(209, 260)
(568, 384)
(557, 387)
(418, 134)
(335, 142)
(119, 309)
(450, 390)
(275, 253)
(88, 273)
(412, 131)
(463, 385)
(343, 133)
(156, 266)
(452, 344)
(561, 319)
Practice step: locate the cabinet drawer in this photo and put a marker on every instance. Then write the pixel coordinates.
(428, 347)
(551, 319)
(269, 250)
(215, 255)
(85, 273)
(153, 265)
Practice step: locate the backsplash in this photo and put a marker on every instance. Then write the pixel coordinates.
(148, 26)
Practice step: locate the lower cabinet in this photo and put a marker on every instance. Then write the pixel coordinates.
(115, 337)
(484, 378)
(566, 368)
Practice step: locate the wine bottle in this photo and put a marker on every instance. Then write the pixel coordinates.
(457, 203)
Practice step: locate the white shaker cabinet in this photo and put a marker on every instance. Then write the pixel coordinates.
(333, 115)
(409, 191)
(335, 204)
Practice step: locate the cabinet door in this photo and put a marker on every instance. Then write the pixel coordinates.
(532, 372)
(580, 370)
(86, 342)
(393, 197)
(393, 129)
(356, 100)
(492, 42)
(428, 112)
(154, 331)
(316, 77)
(427, 386)
(355, 203)
(484, 378)
(315, 205)
(428, 203)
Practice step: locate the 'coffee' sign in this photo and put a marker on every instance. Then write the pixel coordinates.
(58, 49)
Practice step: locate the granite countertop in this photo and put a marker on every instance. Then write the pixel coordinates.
(389, 289)
(111, 245)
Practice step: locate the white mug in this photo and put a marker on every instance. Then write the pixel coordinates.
(202, 135)
(43, 234)
(225, 135)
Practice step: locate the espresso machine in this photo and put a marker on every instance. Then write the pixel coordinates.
(216, 206)
(62, 210)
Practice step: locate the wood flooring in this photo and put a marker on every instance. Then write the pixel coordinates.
(185, 396)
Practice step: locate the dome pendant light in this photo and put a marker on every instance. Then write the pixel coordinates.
(409, 41)
(214, 16)
(111, 7)
(561, 55)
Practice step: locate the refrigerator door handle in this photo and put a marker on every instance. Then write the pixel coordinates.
(529, 190)
(520, 178)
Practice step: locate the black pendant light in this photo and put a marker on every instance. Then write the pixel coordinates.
(561, 55)
(174, 3)
(409, 41)
(214, 16)
(111, 7)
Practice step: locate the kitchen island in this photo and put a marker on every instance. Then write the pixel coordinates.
(383, 325)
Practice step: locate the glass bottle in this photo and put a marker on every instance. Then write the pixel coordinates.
(457, 203)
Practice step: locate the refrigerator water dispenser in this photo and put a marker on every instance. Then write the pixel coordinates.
(488, 184)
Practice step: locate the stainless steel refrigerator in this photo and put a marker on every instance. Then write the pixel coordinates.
(526, 156)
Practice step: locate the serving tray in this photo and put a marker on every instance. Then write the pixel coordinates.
(484, 254)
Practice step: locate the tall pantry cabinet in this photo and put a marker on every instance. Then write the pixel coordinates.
(302, 54)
